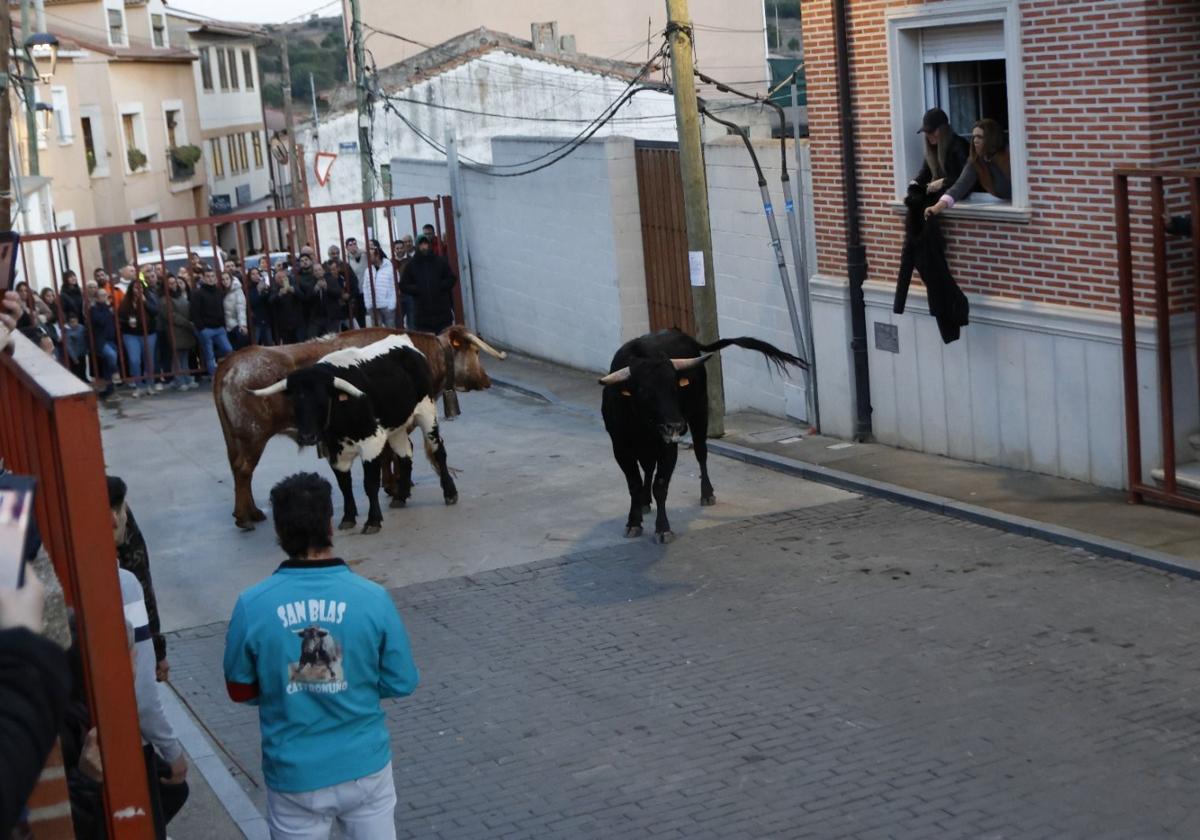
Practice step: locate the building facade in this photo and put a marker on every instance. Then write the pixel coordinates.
(122, 108)
(232, 133)
(1035, 382)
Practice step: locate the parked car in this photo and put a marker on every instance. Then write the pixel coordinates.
(175, 256)
(277, 258)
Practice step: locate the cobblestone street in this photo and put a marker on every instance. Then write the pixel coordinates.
(854, 669)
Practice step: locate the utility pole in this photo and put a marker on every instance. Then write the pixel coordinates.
(695, 202)
(364, 117)
(296, 163)
(312, 87)
(460, 230)
(29, 93)
(5, 121)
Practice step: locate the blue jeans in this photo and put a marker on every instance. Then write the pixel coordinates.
(208, 337)
(408, 312)
(181, 365)
(262, 332)
(139, 357)
(108, 359)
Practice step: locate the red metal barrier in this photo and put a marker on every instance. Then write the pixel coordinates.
(1161, 297)
(49, 429)
(92, 249)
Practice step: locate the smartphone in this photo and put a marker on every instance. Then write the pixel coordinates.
(9, 242)
(16, 519)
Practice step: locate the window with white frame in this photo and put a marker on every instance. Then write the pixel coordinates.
(222, 68)
(116, 28)
(248, 69)
(62, 115)
(137, 145)
(158, 30)
(95, 147)
(963, 56)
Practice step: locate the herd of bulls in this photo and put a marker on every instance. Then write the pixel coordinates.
(361, 394)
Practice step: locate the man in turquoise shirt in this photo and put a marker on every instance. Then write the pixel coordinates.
(316, 647)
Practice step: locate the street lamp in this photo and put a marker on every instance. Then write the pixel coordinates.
(42, 45)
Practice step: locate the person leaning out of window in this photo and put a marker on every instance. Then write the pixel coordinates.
(988, 167)
(945, 152)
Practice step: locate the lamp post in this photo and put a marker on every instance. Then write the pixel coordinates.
(39, 45)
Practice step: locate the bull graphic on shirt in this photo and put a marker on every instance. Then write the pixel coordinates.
(320, 657)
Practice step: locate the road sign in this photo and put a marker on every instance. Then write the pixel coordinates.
(323, 165)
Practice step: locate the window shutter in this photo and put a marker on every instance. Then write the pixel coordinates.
(966, 42)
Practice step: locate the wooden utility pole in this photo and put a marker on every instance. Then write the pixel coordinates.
(298, 199)
(360, 89)
(5, 127)
(695, 202)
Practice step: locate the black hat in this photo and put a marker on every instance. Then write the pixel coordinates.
(934, 119)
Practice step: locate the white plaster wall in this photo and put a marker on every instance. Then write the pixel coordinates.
(556, 256)
(1029, 386)
(750, 294)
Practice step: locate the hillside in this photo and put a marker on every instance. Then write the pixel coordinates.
(314, 46)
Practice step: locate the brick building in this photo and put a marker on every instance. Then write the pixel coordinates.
(1035, 382)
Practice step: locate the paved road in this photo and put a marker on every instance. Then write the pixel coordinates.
(854, 669)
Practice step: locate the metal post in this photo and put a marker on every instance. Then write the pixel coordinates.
(1133, 433)
(460, 229)
(795, 213)
(312, 87)
(695, 199)
(30, 104)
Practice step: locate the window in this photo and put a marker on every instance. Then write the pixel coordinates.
(133, 132)
(231, 145)
(963, 56)
(174, 120)
(145, 238)
(242, 156)
(206, 68)
(158, 30)
(233, 69)
(94, 148)
(116, 27)
(62, 115)
(256, 141)
(218, 162)
(248, 69)
(222, 69)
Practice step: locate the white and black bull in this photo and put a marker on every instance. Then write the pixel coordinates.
(357, 401)
(655, 393)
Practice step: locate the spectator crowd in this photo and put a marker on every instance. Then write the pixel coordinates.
(150, 329)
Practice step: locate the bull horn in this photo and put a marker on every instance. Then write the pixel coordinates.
(684, 364)
(271, 390)
(346, 388)
(486, 348)
(615, 377)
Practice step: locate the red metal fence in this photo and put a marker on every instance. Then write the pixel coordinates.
(1162, 290)
(45, 257)
(49, 429)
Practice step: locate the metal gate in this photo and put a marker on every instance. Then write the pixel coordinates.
(664, 237)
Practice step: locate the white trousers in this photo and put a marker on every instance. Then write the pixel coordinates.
(363, 808)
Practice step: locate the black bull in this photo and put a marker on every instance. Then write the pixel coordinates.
(656, 391)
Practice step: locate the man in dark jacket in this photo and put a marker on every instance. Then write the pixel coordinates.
(325, 307)
(208, 317)
(349, 283)
(104, 339)
(34, 684)
(304, 281)
(429, 280)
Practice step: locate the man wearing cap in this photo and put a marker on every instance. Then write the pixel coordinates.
(944, 151)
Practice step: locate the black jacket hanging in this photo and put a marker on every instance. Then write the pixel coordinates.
(925, 249)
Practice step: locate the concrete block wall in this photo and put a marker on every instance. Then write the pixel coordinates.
(750, 296)
(556, 256)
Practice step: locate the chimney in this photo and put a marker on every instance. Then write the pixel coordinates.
(566, 44)
(545, 37)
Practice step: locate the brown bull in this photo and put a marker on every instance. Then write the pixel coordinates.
(248, 422)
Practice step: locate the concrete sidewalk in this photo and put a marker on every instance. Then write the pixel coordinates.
(1059, 509)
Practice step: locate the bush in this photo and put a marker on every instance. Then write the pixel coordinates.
(136, 158)
(186, 155)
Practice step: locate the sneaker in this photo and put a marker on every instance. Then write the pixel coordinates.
(158, 388)
(136, 393)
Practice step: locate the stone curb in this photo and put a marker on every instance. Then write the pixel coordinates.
(926, 501)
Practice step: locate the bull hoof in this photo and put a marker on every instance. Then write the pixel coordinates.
(244, 525)
(258, 516)
(371, 529)
(452, 500)
(346, 525)
(397, 503)
(664, 537)
(633, 531)
(645, 508)
(708, 501)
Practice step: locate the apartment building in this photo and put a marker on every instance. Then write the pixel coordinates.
(114, 147)
(228, 92)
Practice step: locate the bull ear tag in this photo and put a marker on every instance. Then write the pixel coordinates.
(684, 382)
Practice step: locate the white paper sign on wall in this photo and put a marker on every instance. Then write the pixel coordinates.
(696, 267)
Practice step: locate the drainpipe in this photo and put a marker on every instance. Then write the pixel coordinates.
(856, 252)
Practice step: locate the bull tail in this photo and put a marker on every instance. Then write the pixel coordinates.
(781, 359)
